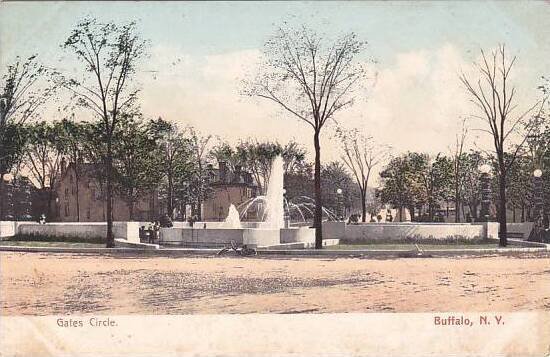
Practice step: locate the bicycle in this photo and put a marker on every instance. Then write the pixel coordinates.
(242, 251)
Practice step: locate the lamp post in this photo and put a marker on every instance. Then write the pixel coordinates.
(485, 192)
(340, 204)
(286, 211)
(2, 125)
(538, 203)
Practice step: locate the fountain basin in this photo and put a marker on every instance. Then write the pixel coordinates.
(252, 237)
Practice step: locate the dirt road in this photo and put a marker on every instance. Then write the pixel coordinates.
(43, 284)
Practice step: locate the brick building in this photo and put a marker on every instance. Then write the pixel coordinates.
(86, 201)
(227, 187)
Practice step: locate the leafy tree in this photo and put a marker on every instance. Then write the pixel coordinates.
(109, 53)
(311, 78)
(174, 151)
(136, 162)
(434, 177)
(333, 177)
(21, 94)
(398, 184)
(519, 185)
(256, 157)
(471, 184)
(414, 179)
(43, 155)
(200, 174)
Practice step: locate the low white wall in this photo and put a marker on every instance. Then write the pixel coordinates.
(7, 229)
(295, 235)
(88, 230)
(261, 237)
(524, 228)
(392, 231)
(199, 235)
(216, 236)
(126, 230)
(334, 230)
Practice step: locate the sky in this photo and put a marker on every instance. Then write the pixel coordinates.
(201, 51)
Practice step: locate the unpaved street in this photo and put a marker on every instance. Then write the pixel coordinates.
(42, 284)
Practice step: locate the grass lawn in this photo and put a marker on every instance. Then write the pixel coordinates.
(27, 243)
(409, 246)
(35, 240)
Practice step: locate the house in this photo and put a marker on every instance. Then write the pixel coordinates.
(227, 187)
(81, 198)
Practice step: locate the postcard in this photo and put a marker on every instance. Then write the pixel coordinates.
(301, 178)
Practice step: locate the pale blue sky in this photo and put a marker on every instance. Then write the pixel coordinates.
(214, 27)
(419, 46)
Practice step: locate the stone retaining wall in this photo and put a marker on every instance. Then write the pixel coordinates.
(7, 229)
(88, 230)
(403, 231)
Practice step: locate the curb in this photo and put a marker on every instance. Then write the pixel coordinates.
(274, 252)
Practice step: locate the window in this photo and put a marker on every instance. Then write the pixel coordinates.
(88, 213)
(67, 210)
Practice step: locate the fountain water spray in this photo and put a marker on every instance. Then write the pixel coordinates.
(274, 196)
(232, 220)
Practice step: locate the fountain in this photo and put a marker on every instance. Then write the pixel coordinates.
(274, 196)
(270, 231)
(232, 220)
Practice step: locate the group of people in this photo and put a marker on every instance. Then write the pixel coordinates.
(151, 232)
(356, 217)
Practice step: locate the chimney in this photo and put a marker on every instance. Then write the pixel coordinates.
(222, 165)
(238, 174)
(63, 166)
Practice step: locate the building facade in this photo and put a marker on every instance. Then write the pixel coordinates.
(227, 187)
(81, 198)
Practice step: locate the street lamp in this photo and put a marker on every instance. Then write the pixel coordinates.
(340, 205)
(485, 192)
(286, 214)
(538, 226)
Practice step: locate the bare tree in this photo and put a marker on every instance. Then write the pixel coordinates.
(43, 154)
(200, 178)
(495, 97)
(361, 154)
(458, 158)
(109, 53)
(311, 78)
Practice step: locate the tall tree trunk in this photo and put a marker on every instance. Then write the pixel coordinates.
(522, 212)
(198, 210)
(131, 208)
(49, 211)
(170, 196)
(514, 214)
(77, 179)
(317, 219)
(2, 196)
(109, 178)
(364, 204)
(502, 233)
(400, 213)
(457, 203)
